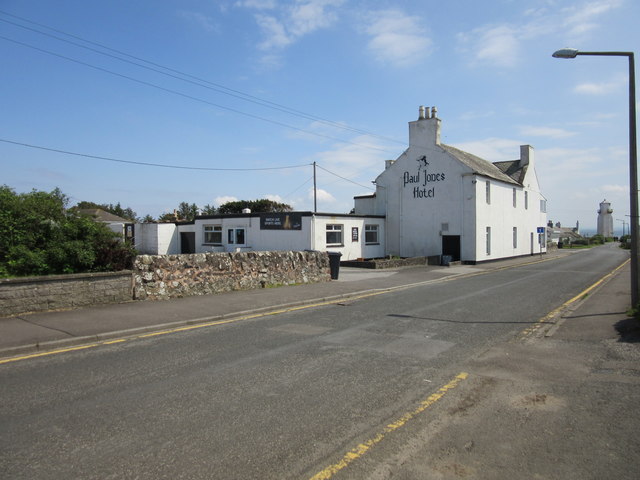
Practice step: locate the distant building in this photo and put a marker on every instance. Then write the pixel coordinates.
(605, 219)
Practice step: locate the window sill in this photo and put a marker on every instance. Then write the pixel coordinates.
(372, 243)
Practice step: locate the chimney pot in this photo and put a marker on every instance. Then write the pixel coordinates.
(421, 115)
(434, 112)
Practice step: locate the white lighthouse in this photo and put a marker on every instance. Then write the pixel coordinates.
(605, 219)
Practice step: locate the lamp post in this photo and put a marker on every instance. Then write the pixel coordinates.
(623, 225)
(633, 160)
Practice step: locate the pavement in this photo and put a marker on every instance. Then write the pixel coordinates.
(29, 333)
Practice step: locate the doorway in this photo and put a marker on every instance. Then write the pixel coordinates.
(451, 247)
(187, 242)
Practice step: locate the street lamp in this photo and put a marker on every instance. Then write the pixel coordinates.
(633, 160)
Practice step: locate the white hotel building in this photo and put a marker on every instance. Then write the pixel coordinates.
(439, 200)
(432, 200)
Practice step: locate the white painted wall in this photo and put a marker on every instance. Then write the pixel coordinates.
(445, 196)
(312, 235)
(157, 238)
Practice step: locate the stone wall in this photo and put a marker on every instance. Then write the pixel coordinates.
(389, 262)
(38, 294)
(159, 277)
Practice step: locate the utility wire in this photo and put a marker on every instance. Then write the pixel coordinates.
(344, 178)
(191, 97)
(148, 164)
(207, 84)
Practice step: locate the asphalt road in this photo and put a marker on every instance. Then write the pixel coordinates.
(282, 396)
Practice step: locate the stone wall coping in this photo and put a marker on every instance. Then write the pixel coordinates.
(63, 277)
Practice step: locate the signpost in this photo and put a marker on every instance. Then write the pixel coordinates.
(540, 238)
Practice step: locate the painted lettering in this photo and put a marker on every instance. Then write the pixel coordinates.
(408, 178)
(432, 177)
(424, 192)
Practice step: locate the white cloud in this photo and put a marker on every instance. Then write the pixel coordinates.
(274, 198)
(307, 17)
(616, 189)
(580, 19)
(397, 38)
(274, 31)
(500, 44)
(288, 22)
(200, 19)
(493, 149)
(322, 196)
(257, 4)
(548, 132)
(603, 88)
(224, 199)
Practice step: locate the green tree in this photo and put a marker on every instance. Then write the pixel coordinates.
(258, 206)
(187, 211)
(38, 236)
(208, 210)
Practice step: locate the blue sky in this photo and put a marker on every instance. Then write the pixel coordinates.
(255, 85)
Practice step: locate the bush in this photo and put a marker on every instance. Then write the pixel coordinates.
(38, 236)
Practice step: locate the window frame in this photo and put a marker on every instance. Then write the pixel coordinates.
(211, 230)
(372, 229)
(336, 229)
(488, 192)
(232, 236)
(488, 241)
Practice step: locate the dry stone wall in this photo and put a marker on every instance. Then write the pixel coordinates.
(158, 277)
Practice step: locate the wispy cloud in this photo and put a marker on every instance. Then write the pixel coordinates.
(603, 88)
(580, 19)
(283, 24)
(499, 44)
(492, 149)
(224, 199)
(203, 21)
(397, 38)
(548, 132)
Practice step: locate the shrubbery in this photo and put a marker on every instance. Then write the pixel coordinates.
(39, 236)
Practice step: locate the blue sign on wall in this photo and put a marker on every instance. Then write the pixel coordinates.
(540, 229)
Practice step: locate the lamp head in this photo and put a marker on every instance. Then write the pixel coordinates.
(566, 53)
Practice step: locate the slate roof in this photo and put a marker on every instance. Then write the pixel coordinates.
(513, 169)
(102, 216)
(498, 171)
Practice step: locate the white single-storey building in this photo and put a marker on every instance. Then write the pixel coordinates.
(353, 236)
(439, 200)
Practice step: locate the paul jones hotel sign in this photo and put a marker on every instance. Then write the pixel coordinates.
(423, 181)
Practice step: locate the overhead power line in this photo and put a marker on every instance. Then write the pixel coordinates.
(344, 178)
(148, 164)
(191, 97)
(187, 77)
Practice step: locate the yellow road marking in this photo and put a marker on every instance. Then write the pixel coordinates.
(186, 328)
(553, 313)
(258, 315)
(52, 352)
(358, 451)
